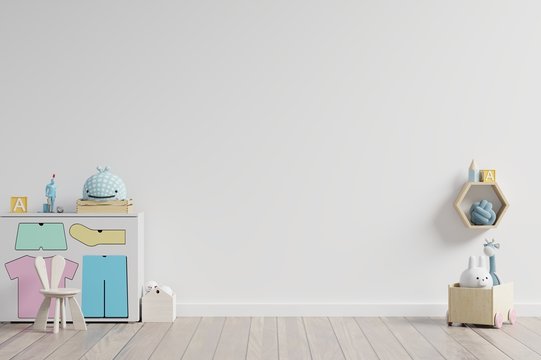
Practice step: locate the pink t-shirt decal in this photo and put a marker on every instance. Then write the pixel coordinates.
(29, 297)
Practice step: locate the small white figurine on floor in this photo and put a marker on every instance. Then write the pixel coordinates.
(476, 275)
(151, 285)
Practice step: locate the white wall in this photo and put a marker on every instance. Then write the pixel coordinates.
(285, 152)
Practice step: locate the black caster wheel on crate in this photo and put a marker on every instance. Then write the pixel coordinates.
(449, 323)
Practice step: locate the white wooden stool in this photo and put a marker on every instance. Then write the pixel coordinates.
(60, 295)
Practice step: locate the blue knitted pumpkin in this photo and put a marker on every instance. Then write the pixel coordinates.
(481, 213)
(104, 186)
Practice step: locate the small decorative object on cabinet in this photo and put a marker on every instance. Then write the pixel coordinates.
(481, 306)
(103, 254)
(488, 176)
(104, 186)
(159, 306)
(473, 172)
(50, 194)
(471, 193)
(18, 204)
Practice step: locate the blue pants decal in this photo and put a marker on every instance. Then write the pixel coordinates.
(105, 286)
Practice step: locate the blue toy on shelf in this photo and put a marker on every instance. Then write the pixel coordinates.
(473, 172)
(104, 186)
(50, 193)
(481, 213)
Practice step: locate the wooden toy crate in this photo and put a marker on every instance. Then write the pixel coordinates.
(159, 306)
(481, 306)
(112, 206)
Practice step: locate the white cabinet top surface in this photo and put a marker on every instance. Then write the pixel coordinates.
(53, 215)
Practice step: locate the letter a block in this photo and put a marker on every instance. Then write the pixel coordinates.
(488, 176)
(18, 204)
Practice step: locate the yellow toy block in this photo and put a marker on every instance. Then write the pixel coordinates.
(488, 176)
(18, 204)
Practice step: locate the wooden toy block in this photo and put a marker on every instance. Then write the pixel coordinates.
(487, 176)
(159, 306)
(18, 204)
(481, 306)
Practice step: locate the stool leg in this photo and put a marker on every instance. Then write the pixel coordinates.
(77, 315)
(63, 312)
(43, 313)
(56, 315)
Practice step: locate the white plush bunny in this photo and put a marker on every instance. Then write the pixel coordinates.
(476, 275)
(150, 285)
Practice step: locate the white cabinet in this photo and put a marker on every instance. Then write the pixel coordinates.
(104, 258)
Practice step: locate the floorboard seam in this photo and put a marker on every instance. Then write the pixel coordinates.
(307, 339)
(127, 342)
(161, 339)
(65, 341)
(448, 335)
(366, 337)
(490, 342)
(520, 341)
(426, 339)
(533, 330)
(394, 335)
(18, 332)
(219, 338)
(336, 337)
(33, 342)
(249, 334)
(191, 337)
(277, 337)
(90, 348)
(443, 327)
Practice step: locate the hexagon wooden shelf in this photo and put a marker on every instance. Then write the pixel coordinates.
(484, 191)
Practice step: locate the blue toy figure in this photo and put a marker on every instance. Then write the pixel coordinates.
(473, 172)
(50, 193)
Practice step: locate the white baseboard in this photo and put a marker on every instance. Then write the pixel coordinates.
(328, 309)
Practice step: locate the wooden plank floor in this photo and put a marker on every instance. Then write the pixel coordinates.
(282, 338)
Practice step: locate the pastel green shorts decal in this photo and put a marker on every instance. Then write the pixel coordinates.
(46, 236)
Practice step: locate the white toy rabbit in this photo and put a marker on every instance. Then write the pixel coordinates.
(150, 285)
(476, 275)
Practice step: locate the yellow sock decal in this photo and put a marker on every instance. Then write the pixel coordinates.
(91, 237)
